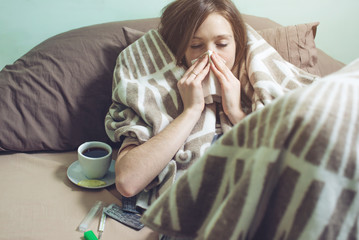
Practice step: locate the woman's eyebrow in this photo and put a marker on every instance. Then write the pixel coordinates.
(224, 36)
(195, 37)
(216, 37)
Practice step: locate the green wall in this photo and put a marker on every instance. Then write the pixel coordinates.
(25, 23)
(337, 33)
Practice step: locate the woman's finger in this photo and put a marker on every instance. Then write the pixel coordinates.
(219, 67)
(201, 76)
(195, 71)
(188, 72)
(200, 65)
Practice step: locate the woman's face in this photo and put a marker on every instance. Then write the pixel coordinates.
(214, 34)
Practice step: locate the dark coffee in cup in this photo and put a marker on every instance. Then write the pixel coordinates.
(95, 159)
(95, 152)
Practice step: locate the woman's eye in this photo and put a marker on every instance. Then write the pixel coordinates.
(222, 45)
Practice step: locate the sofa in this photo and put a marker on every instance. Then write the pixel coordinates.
(56, 96)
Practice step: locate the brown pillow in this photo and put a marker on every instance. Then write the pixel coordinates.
(294, 43)
(131, 35)
(327, 64)
(56, 96)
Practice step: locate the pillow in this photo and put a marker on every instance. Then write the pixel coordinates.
(327, 64)
(131, 35)
(56, 96)
(294, 43)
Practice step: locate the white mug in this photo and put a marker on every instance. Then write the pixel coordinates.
(95, 159)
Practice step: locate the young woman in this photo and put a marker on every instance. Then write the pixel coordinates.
(189, 28)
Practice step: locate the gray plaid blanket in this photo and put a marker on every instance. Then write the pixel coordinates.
(287, 171)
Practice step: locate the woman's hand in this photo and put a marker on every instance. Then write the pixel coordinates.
(231, 89)
(135, 168)
(190, 85)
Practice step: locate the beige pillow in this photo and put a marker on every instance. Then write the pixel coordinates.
(294, 43)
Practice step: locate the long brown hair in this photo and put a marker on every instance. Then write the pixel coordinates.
(181, 19)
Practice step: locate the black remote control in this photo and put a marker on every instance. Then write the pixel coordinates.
(129, 219)
(129, 204)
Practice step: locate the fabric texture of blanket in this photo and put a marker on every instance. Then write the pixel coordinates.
(146, 99)
(287, 171)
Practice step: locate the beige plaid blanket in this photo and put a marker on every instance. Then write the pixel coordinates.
(287, 171)
(146, 99)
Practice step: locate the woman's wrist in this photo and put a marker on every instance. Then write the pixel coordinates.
(236, 117)
(192, 114)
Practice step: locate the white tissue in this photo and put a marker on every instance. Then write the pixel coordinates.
(210, 85)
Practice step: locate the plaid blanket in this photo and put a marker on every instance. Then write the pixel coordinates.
(146, 99)
(287, 171)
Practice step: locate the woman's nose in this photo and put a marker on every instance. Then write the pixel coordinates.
(210, 48)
